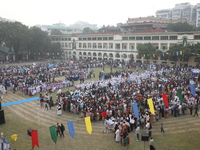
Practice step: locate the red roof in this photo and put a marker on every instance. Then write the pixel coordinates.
(116, 32)
(157, 30)
(146, 23)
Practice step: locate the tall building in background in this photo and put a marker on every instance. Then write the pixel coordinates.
(164, 13)
(198, 14)
(181, 10)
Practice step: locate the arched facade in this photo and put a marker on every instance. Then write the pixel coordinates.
(121, 46)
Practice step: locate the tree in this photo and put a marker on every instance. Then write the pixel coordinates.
(56, 32)
(55, 47)
(88, 30)
(23, 40)
(174, 52)
(16, 36)
(180, 27)
(40, 41)
(162, 55)
(146, 49)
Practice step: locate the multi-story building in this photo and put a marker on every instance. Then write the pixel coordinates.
(198, 14)
(119, 46)
(181, 10)
(164, 13)
(150, 24)
(76, 28)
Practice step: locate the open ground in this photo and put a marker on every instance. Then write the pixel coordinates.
(182, 133)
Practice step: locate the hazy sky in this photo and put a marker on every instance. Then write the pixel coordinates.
(101, 12)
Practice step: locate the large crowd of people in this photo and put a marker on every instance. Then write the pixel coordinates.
(110, 99)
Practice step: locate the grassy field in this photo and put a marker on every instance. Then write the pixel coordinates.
(182, 133)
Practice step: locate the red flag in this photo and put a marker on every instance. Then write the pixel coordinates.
(34, 135)
(103, 114)
(165, 99)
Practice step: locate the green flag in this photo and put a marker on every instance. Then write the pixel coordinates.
(53, 133)
(179, 91)
(120, 108)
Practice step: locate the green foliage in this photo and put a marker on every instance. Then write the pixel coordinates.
(146, 49)
(180, 27)
(87, 30)
(160, 54)
(24, 39)
(187, 51)
(56, 32)
(39, 40)
(55, 47)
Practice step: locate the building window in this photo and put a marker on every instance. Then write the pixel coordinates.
(132, 47)
(132, 38)
(155, 37)
(104, 38)
(164, 37)
(89, 39)
(110, 38)
(147, 38)
(79, 39)
(157, 47)
(124, 38)
(94, 39)
(197, 37)
(164, 47)
(99, 38)
(124, 46)
(139, 38)
(173, 37)
(65, 39)
(84, 39)
(69, 39)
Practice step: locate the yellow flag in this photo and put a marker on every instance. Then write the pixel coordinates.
(88, 125)
(181, 52)
(151, 106)
(14, 137)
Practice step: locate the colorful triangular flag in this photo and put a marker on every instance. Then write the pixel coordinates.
(151, 106)
(71, 128)
(34, 136)
(14, 137)
(88, 125)
(53, 133)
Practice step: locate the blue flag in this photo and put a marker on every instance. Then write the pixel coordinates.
(50, 65)
(70, 125)
(193, 90)
(5, 141)
(135, 110)
(116, 87)
(22, 70)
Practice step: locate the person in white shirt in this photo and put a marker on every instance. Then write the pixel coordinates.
(132, 121)
(137, 131)
(147, 127)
